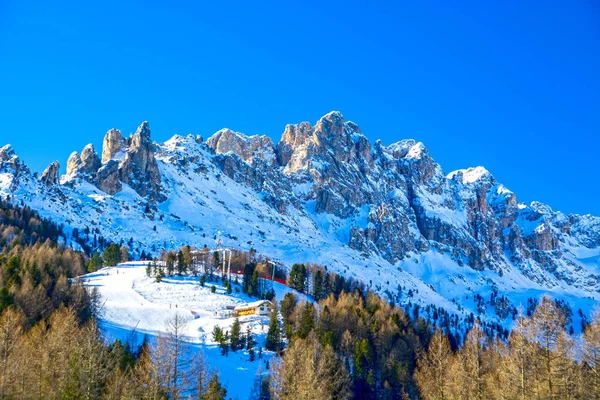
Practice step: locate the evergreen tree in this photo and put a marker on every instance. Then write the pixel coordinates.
(235, 334)
(224, 344)
(318, 285)
(149, 270)
(306, 320)
(181, 266)
(250, 343)
(215, 390)
(217, 334)
(273, 341)
(95, 263)
(112, 255)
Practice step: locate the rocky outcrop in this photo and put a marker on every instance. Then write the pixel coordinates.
(50, 175)
(112, 145)
(73, 162)
(392, 201)
(139, 169)
(108, 178)
(397, 199)
(247, 147)
(85, 164)
(13, 166)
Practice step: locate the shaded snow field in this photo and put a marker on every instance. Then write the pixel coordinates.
(135, 305)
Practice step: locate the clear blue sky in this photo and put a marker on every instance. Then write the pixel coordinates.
(513, 86)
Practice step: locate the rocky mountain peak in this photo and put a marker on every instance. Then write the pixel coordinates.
(141, 138)
(246, 147)
(86, 163)
(472, 175)
(139, 168)
(294, 136)
(12, 165)
(113, 144)
(72, 162)
(50, 175)
(7, 152)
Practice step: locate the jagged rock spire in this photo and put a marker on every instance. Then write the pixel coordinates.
(113, 143)
(50, 175)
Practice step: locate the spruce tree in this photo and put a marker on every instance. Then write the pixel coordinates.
(112, 255)
(273, 341)
(215, 390)
(235, 334)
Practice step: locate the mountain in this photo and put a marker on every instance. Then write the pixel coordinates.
(384, 214)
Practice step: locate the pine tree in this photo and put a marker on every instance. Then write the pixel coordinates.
(224, 344)
(273, 341)
(95, 263)
(181, 266)
(306, 321)
(217, 334)
(215, 390)
(318, 285)
(235, 334)
(112, 255)
(149, 270)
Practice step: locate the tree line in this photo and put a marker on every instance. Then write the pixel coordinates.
(540, 360)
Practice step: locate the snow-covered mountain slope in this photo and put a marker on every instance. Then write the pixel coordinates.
(386, 215)
(135, 307)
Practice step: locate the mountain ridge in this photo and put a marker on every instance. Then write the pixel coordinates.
(323, 186)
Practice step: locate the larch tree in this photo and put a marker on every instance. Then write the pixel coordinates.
(309, 371)
(590, 356)
(433, 369)
(547, 329)
(470, 367)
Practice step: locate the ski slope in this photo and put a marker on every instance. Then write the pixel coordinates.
(134, 305)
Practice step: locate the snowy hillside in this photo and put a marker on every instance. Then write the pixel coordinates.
(133, 303)
(386, 215)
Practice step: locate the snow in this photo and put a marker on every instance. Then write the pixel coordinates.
(470, 175)
(132, 301)
(416, 151)
(5, 182)
(202, 203)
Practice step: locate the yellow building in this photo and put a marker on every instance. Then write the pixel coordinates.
(261, 307)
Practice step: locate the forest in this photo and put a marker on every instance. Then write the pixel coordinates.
(348, 343)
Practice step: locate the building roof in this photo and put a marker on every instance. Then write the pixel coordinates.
(254, 304)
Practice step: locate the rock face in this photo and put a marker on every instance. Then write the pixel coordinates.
(326, 194)
(50, 175)
(390, 201)
(247, 147)
(139, 169)
(108, 178)
(130, 161)
(397, 199)
(85, 164)
(72, 162)
(12, 166)
(113, 144)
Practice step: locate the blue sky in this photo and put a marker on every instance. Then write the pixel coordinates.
(513, 86)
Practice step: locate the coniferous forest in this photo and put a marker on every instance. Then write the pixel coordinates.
(349, 343)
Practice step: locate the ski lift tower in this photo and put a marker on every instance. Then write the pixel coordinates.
(274, 264)
(224, 253)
